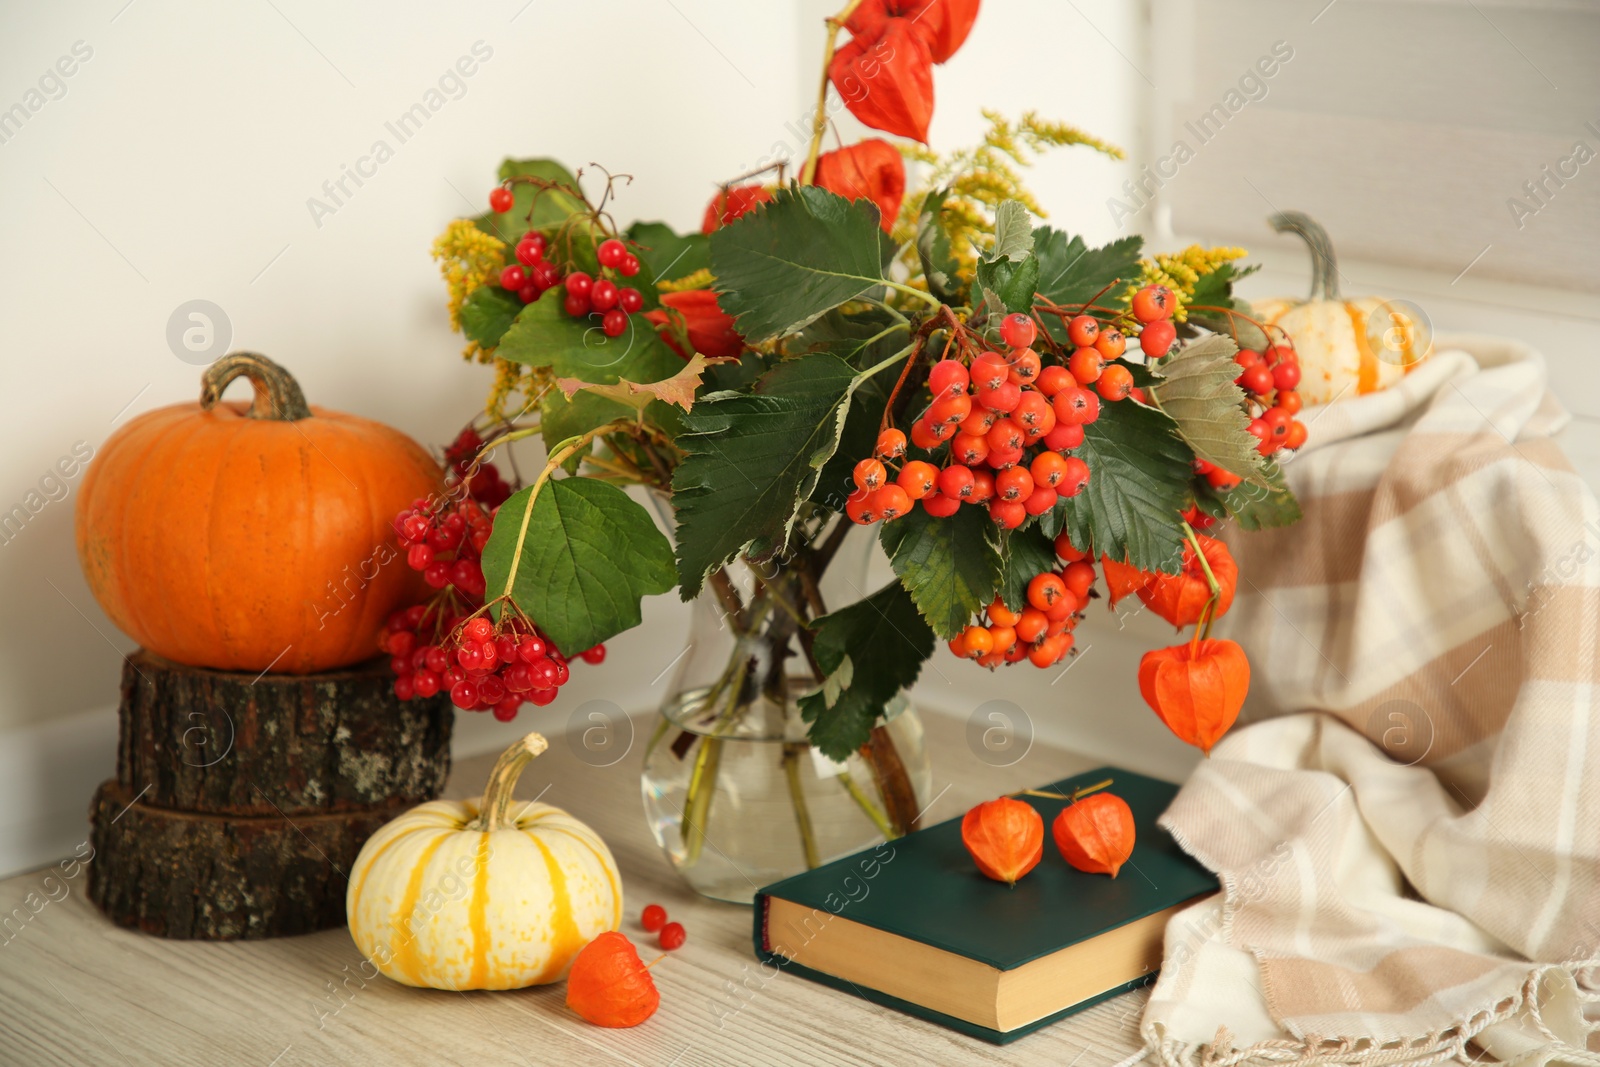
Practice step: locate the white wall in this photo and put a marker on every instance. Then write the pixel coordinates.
(178, 165)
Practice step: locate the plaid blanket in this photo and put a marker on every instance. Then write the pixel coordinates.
(1407, 821)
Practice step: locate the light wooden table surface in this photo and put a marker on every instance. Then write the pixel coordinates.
(74, 989)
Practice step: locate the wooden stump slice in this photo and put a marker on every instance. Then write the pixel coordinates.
(214, 742)
(223, 877)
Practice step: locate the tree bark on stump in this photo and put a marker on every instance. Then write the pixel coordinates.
(223, 877)
(240, 802)
(278, 744)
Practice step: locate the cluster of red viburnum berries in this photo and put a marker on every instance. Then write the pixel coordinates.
(533, 275)
(1009, 422)
(446, 644)
(1041, 631)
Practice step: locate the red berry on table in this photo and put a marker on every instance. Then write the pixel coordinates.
(629, 265)
(1017, 330)
(630, 300)
(595, 655)
(673, 936)
(1257, 379)
(1083, 330)
(1153, 303)
(577, 306)
(604, 295)
(1111, 343)
(614, 323)
(652, 918)
(1156, 339)
(501, 199)
(579, 284)
(1086, 365)
(1286, 375)
(513, 278)
(1115, 383)
(891, 444)
(611, 252)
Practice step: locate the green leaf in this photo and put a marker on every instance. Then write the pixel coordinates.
(561, 419)
(857, 438)
(1028, 550)
(586, 558)
(787, 262)
(1216, 290)
(939, 265)
(1013, 232)
(1010, 283)
(1139, 482)
(750, 458)
(667, 255)
(488, 313)
(550, 208)
(1070, 272)
(951, 567)
(1254, 507)
(544, 335)
(870, 651)
(1195, 387)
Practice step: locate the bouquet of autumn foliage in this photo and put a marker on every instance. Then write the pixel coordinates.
(1019, 414)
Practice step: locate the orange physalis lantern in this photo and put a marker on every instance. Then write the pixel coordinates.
(885, 78)
(944, 24)
(609, 985)
(1123, 579)
(1005, 837)
(1197, 688)
(1095, 834)
(871, 170)
(709, 329)
(1180, 598)
(729, 204)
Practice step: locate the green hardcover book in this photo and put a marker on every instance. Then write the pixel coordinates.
(913, 926)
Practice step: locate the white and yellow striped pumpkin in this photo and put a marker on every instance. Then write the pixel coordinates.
(483, 894)
(1331, 334)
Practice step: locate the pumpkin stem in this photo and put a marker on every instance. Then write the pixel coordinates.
(277, 394)
(1324, 267)
(495, 813)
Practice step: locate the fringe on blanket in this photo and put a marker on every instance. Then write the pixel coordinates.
(1449, 1043)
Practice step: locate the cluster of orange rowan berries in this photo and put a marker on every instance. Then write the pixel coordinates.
(1009, 423)
(1041, 630)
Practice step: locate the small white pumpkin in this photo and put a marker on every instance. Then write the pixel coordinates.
(483, 894)
(1334, 336)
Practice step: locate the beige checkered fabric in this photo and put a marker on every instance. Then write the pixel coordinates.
(1407, 821)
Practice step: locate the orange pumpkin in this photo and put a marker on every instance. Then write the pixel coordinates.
(245, 537)
(1197, 688)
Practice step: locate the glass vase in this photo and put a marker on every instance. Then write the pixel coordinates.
(735, 795)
